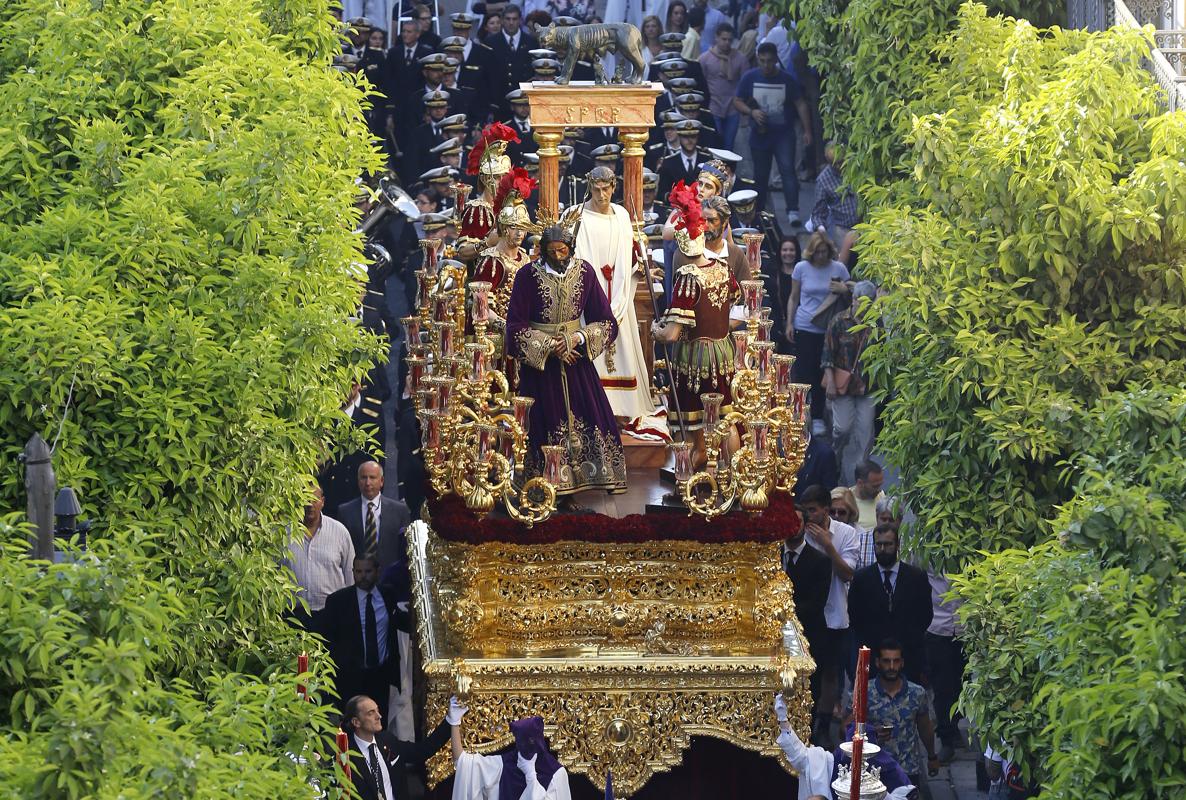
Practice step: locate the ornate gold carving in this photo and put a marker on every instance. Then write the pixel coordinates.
(549, 143)
(625, 650)
(633, 142)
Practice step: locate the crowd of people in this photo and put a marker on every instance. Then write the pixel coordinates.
(448, 110)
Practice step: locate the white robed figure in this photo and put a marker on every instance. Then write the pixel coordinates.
(528, 772)
(605, 238)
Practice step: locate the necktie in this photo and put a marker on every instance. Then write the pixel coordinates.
(687, 164)
(889, 589)
(370, 537)
(372, 634)
(408, 57)
(375, 769)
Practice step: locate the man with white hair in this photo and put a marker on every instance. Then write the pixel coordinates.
(848, 390)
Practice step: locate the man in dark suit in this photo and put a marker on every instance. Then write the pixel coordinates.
(684, 165)
(811, 573)
(403, 72)
(379, 761)
(891, 599)
(512, 55)
(376, 524)
(364, 406)
(359, 624)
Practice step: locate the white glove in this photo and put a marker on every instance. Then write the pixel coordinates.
(780, 708)
(457, 710)
(526, 766)
(810, 226)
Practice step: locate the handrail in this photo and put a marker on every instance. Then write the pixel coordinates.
(1167, 57)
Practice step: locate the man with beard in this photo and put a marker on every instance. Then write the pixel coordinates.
(527, 770)
(558, 322)
(890, 598)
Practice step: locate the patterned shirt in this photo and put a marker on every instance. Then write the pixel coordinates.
(866, 556)
(843, 348)
(901, 712)
(836, 203)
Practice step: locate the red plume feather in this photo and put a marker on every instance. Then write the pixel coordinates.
(517, 181)
(494, 132)
(686, 200)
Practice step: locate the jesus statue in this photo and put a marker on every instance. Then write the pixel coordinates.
(605, 238)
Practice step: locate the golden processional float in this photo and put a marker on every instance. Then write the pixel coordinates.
(630, 630)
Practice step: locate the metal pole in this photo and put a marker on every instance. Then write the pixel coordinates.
(40, 485)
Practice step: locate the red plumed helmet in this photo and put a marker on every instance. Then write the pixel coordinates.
(686, 200)
(496, 134)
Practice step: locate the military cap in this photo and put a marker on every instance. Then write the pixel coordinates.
(449, 147)
(692, 101)
(688, 127)
(454, 122)
(516, 97)
(682, 85)
(743, 199)
(361, 24)
(453, 44)
(607, 152)
(442, 176)
(739, 234)
(670, 119)
(542, 52)
(451, 64)
(545, 67)
(671, 41)
(531, 162)
(672, 67)
(730, 159)
(437, 98)
(434, 222)
(649, 179)
(433, 61)
(462, 21)
(566, 152)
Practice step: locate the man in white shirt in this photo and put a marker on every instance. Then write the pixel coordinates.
(321, 558)
(839, 542)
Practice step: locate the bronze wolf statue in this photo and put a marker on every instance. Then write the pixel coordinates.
(591, 42)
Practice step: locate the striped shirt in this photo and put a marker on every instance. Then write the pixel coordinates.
(835, 203)
(323, 563)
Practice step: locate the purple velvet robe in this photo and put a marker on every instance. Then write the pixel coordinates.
(570, 408)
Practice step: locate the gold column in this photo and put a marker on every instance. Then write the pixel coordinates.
(549, 175)
(633, 140)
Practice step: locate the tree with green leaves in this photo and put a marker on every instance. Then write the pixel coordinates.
(175, 236)
(1024, 215)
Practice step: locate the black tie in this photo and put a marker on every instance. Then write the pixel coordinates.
(889, 589)
(372, 634)
(370, 538)
(375, 768)
(408, 57)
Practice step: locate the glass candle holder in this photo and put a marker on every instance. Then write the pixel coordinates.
(765, 312)
(522, 406)
(430, 247)
(740, 346)
(432, 432)
(506, 444)
(762, 354)
(712, 408)
(423, 289)
(415, 373)
(428, 398)
(461, 195)
(445, 338)
(480, 292)
(760, 430)
(682, 455)
(753, 249)
(751, 293)
(411, 329)
(440, 308)
(444, 386)
(782, 374)
(553, 463)
(799, 401)
(475, 356)
(487, 436)
(764, 328)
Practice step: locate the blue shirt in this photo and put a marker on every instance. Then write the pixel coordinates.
(776, 96)
(900, 711)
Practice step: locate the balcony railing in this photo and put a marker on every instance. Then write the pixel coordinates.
(1166, 59)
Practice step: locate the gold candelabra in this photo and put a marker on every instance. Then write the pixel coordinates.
(473, 430)
(770, 412)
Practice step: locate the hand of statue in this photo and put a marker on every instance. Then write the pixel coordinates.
(569, 357)
(559, 346)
